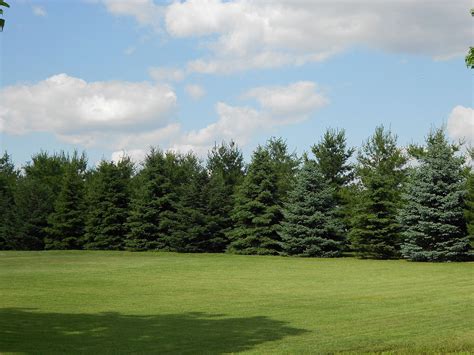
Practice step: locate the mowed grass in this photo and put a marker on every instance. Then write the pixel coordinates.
(111, 302)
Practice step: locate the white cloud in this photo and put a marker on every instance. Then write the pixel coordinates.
(39, 11)
(279, 106)
(79, 112)
(146, 12)
(292, 102)
(461, 124)
(244, 34)
(195, 91)
(136, 155)
(166, 74)
(130, 50)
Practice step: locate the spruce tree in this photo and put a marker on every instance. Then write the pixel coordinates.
(285, 166)
(153, 221)
(257, 212)
(433, 216)
(67, 222)
(108, 200)
(38, 189)
(332, 156)
(192, 235)
(375, 230)
(469, 207)
(225, 166)
(8, 181)
(311, 226)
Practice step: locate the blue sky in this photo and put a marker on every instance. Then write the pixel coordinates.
(109, 76)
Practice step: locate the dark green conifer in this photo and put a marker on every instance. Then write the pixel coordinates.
(153, 220)
(8, 211)
(67, 221)
(257, 212)
(108, 200)
(375, 230)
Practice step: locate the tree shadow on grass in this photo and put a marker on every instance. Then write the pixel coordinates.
(30, 331)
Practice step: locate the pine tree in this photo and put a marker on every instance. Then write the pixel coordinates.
(67, 222)
(8, 181)
(192, 235)
(257, 213)
(311, 226)
(433, 216)
(38, 188)
(108, 199)
(285, 166)
(375, 230)
(153, 220)
(469, 207)
(225, 165)
(332, 156)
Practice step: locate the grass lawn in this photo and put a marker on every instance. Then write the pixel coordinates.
(63, 302)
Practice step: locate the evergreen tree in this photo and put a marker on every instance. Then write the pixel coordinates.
(257, 212)
(375, 231)
(153, 220)
(285, 166)
(35, 197)
(8, 181)
(67, 221)
(108, 199)
(225, 165)
(332, 156)
(469, 207)
(193, 235)
(311, 226)
(433, 216)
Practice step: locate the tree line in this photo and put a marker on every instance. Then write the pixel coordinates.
(380, 201)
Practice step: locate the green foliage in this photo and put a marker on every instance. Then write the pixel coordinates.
(67, 222)
(332, 156)
(225, 166)
(285, 166)
(38, 189)
(311, 226)
(257, 212)
(433, 216)
(375, 231)
(8, 181)
(153, 217)
(470, 55)
(108, 200)
(469, 206)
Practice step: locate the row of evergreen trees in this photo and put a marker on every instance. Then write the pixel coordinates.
(389, 203)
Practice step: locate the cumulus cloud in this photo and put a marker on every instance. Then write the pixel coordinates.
(136, 155)
(39, 11)
(89, 114)
(255, 34)
(279, 106)
(146, 12)
(195, 91)
(461, 124)
(294, 101)
(166, 74)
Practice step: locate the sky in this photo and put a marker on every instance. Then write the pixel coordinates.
(115, 77)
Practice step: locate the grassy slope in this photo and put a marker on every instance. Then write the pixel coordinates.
(113, 301)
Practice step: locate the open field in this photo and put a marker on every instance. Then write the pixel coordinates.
(63, 302)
